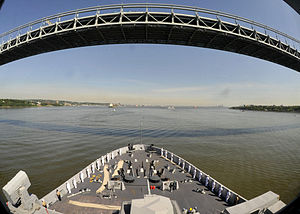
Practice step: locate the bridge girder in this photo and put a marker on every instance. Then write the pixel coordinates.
(145, 26)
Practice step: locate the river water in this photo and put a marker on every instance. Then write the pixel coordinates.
(249, 152)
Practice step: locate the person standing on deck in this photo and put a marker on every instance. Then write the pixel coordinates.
(213, 186)
(93, 168)
(68, 187)
(58, 195)
(228, 196)
(81, 177)
(44, 204)
(206, 181)
(220, 191)
(88, 172)
(200, 176)
(98, 164)
(75, 183)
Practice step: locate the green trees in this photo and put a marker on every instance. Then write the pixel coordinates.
(273, 108)
(15, 103)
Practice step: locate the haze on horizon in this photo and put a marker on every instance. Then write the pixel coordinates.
(152, 74)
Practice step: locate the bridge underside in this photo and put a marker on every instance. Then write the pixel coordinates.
(69, 35)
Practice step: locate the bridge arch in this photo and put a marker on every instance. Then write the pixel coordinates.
(154, 24)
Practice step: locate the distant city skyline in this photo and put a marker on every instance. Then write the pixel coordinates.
(152, 74)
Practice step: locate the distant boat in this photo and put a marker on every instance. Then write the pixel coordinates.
(111, 105)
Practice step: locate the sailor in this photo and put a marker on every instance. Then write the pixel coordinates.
(183, 165)
(74, 183)
(88, 173)
(237, 199)
(228, 196)
(98, 164)
(112, 155)
(172, 157)
(179, 162)
(44, 204)
(107, 157)
(102, 159)
(162, 152)
(58, 195)
(189, 169)
(171, 187)
(220, 191)
(93, 167)
(120, 152)
(213, 186)
(68, 187)
(194, 174)
(81, 177)
(206, 181)
(166, 153)
(200, 176)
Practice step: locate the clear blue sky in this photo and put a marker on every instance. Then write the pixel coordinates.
(152, 74)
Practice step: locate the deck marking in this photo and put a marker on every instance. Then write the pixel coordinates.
(149, 192)
(120, 165)
(133, 192)
(105, 179)
(98, 206)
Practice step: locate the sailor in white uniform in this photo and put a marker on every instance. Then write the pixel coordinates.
(220, 191)
(206, 180)
(74, 183)
(98, 164)
(93, 167)
(228, 196)
(81, 177)
(213, 186)
(200, 176)
(68, 187)
(194, 174)
(88, 173)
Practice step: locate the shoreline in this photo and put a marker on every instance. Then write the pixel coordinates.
(265, 108)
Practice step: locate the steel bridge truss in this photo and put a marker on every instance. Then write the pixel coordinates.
(150, 23)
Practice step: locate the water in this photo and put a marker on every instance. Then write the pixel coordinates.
(250, 152)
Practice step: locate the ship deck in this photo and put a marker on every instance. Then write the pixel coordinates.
(109, 201)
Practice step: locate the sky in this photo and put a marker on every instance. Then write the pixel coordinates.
(152, 74)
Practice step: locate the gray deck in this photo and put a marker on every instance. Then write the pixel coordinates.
(185, 196)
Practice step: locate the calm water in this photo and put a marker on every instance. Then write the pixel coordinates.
(250, 152)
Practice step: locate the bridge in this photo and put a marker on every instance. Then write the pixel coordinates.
(154, 24)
